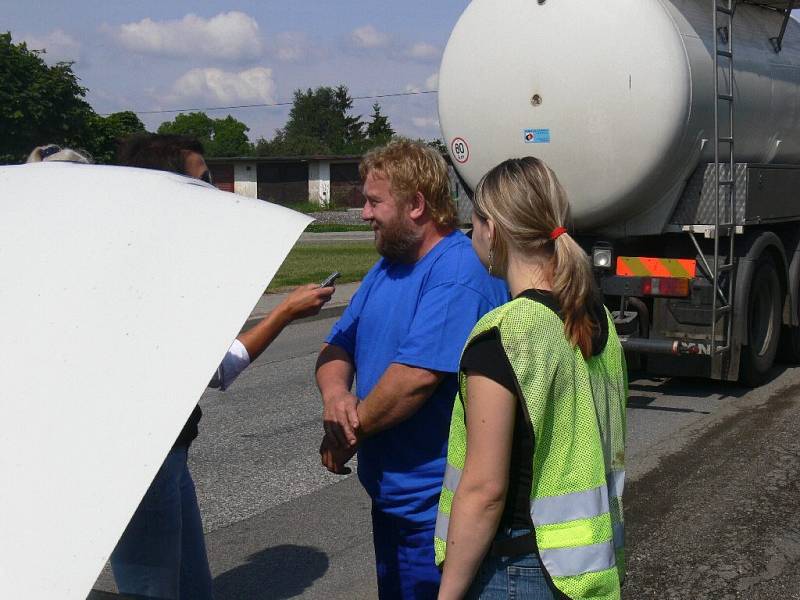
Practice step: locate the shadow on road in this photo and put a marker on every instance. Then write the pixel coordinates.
(644, 402)
(272, 574)
(688, 387)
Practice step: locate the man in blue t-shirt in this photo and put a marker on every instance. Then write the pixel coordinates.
(402, 336)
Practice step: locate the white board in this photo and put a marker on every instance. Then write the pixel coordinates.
(120, 291)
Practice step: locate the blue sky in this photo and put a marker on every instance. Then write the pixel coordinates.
(147, 55)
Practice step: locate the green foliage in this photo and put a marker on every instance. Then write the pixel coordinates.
(230, 138)
(379, 130)
(39, 104)
(320, 123)
(105, 132)
(220, 137)
(438, 144)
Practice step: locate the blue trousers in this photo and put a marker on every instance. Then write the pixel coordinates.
(509, 577)
(404, 559)
(162, 553)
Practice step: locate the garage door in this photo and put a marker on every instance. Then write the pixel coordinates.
(222, 177)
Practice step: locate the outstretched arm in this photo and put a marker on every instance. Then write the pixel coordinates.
(305, 301)
(302, 302)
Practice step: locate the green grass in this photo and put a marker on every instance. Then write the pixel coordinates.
(309, 207)
(335, 227)
(311, 263)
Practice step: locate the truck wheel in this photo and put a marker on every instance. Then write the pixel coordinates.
(763, 323)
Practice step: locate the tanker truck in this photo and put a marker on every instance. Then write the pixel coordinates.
(674, 126)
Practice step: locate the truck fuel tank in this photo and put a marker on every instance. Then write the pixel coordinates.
(617, 97)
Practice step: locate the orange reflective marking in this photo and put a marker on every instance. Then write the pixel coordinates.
(641, 266)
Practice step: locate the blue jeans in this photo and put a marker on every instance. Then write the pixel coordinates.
(162, 553)
(508, 577)
(404, 559)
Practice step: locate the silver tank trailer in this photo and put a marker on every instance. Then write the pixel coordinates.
(616, 96)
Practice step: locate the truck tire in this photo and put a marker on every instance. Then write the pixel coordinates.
(764, 304)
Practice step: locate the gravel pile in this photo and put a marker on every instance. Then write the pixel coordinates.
(339, 217)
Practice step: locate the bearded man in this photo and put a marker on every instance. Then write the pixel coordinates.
(403, 333)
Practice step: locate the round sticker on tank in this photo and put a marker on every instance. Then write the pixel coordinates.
(460, 150)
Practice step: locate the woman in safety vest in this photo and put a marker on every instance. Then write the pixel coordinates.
(531, 505)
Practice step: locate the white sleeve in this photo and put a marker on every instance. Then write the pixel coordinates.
(236, 360)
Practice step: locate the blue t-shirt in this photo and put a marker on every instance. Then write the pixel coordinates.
(418, 315)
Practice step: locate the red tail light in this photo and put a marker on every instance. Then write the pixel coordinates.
(665, 286)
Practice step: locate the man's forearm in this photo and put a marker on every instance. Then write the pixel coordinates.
(400, 393)
(335, 378)
(334, 371)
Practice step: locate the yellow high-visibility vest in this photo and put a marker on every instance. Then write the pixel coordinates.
(576, 409)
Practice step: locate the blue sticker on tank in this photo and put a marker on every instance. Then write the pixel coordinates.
(537, 136)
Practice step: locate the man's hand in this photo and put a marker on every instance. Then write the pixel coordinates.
(334, 458)
(340, 419)
(306, 301)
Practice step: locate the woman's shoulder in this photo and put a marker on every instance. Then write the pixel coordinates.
(519, 317)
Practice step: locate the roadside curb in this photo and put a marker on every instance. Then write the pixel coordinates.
(327, 312)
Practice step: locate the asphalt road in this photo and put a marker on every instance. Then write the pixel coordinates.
(711, 500)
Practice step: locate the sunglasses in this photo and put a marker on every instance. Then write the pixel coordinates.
(206, 176)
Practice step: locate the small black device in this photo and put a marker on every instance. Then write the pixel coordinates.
(330, 279)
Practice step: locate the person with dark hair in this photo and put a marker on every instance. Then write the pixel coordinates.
(162, 552)
(403, 333)
(164, 152)
(531, 505)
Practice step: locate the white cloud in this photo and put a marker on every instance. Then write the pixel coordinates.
(369, 37)
(423, 51)
(292, 46)
(432, 82)
(251, 86)
(231, 36)
(59, 46)
(425, 122)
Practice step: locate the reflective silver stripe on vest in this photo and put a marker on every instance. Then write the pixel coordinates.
(569, 507)
(571, 562)
(619, 535)
(442, 525)
(616, 483)
(452, 475)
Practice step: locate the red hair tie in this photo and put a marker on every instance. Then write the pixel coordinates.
(557, 233)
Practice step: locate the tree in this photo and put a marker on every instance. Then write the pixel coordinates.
(230, 138)
(39, 104)
(319, 123)
(299, 145)
(438, 144)
(379, 130)
(197, 124)
(106, 132)
(220, 137)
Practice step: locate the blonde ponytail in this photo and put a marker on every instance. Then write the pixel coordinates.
(527, 204)
(573, 288)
